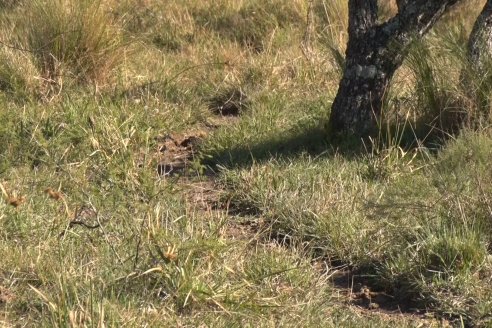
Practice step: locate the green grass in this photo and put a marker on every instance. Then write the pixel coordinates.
(424, 234)
(86, 113)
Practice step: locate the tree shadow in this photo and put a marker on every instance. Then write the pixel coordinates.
(362, 286)
(313, 141)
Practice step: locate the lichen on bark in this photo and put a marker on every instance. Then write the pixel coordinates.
(374, 52)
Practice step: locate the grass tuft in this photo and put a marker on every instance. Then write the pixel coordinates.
(72, 39)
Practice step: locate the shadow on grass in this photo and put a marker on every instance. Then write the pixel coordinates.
(363, 285)
(313, 141)
(316, 141)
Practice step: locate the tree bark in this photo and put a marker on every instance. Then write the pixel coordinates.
(374, 52)
(480, 41)
(400, 4)
(477, 80)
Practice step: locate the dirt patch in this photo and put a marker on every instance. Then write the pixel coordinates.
(207, 198)
(360, 292)
(5, 296)
(204, 195)
(418, 320)
(356, 291)
(229, 103)
(177, 151)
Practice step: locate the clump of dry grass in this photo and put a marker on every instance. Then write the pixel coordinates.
(18, 74)
(71, 39)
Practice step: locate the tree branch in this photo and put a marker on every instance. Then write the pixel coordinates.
(415, 18)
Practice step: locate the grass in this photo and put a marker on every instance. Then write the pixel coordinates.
(423, 235)
(79, 39)
(270, 224)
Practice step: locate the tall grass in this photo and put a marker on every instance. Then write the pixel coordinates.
(17, 69)
(333, 30)
(448, 92)
(18, 74)
(75, 39)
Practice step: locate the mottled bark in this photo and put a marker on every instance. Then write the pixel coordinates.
(400, 4)
(374, 52)
(476, 79)
(480, 41)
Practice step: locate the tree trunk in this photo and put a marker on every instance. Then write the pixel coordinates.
(400, 4)
(476, 78)
(374, 52)
(480, 41)
(361, 92)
